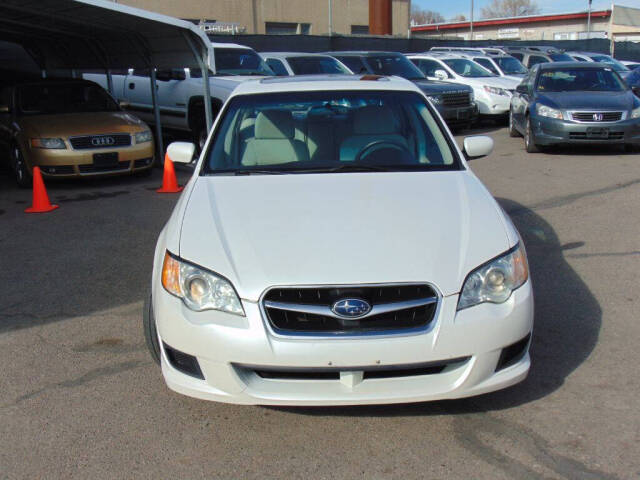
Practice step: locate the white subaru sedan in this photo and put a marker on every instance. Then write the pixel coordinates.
(333, 248)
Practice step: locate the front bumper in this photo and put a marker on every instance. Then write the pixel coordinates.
(225, 345)
(66, 163)
(551, 131)
(490, 104)
(459, 115)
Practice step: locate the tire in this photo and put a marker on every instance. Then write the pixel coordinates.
(150, 331)
(512, 128)
(529, 139)
(19, 167)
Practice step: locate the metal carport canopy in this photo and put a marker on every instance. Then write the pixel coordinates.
(100, 34)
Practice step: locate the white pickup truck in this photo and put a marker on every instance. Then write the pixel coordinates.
(180, 91)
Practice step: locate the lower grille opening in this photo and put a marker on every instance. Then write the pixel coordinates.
(513, 353)
(183, 362)
(58, 170)
(142, 162)
(369, 373)
(107, 168)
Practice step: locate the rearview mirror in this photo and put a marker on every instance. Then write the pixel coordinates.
(441, 74)
(477, 146)
(181, 152)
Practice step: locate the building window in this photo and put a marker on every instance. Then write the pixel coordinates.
(359, 29)
(283, 28)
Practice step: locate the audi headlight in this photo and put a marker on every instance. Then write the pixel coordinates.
(635, 113)
(198, 288)
(142, 137)
(545, 111)
(50, 143)
(435, 99)
(496, 91)
(495, 280)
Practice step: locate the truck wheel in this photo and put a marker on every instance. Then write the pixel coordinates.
(19, 166)
(529, 139)
(512, 128)
(150, 331)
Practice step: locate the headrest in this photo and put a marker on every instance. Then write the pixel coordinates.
(274, 124)
(374, 120)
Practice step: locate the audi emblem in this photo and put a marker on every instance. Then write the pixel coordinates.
(597, 117)
(102, 141)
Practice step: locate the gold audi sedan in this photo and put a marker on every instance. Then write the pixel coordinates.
(70, 128)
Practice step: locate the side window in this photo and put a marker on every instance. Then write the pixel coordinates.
(519, 56)
(353, 63)
(486, 63)
(536, 59)
(141, 72)
(580, 59)
(429, 67)
(278, 67)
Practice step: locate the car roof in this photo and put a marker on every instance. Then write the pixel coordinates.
(583, 65)
(307, 83)
(438, 55)
(361, 53)
(586, 54)
(229, 45)
(293, 54)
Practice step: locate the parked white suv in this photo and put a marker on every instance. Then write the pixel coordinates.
(285, 64)
(492, 93)
(333, 248)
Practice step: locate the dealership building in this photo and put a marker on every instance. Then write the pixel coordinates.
(618, 23)
(311, 17)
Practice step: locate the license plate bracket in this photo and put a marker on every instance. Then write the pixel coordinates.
(597, 132)
(108, 159)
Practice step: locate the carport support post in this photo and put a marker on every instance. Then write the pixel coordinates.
(156, 115)
(208, 113)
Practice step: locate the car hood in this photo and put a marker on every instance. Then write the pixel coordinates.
(588, 100)
(436, 86)
(90, 123)
(344, 228)
(500, 82)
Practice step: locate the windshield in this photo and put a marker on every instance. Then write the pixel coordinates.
(312, 65)
(580, 79)
(64, 98)
(561, 57)
(510, 65)
(318, 132)
(467, 68)
(616, 65)
(394, 65)
(240, 61)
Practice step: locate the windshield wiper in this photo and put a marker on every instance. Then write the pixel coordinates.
(345, 168)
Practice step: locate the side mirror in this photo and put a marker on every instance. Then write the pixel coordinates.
(4, 109)
(522, 88)
(181, 152)
(441, 74)
(477, 146)
(124, 104)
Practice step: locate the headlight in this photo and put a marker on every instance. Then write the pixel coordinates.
(435, 99)
(495, 280)
(635, 113)
(198, 288)
(142, 137)
(52, 143)
(496, 91)
(545, 111)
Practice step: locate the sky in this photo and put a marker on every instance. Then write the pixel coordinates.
(451, 8)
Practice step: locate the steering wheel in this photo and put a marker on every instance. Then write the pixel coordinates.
(379, 145)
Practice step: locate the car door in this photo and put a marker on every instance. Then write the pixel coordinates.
(522, 98)
(173, 91)
(137, 92)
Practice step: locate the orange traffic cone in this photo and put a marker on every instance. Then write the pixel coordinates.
(169, 181)
(41, 202)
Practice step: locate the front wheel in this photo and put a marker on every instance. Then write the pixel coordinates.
(20, 170)
(529, 139)
(512, 128)
(150, 331)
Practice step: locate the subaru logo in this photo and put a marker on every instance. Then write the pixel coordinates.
(351, 308)
(102, 141)
(597, 117)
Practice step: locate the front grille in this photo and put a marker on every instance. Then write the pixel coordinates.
(456, 99)
(101, 141)
(596, 116)
(584, 136)
(90, 168)
(368, 373)
(308, 310)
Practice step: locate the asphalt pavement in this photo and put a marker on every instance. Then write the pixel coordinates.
(81, 398)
